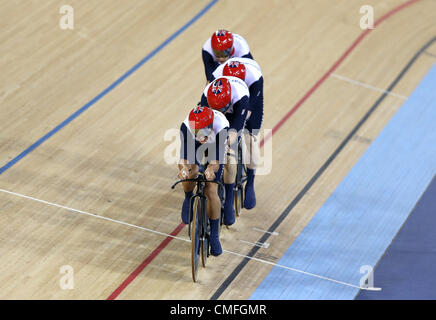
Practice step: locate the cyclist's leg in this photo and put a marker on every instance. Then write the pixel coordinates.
(211, 192)
(253, 126)
(188, 188)
(253, 151)
(214, 212)
(229, 184)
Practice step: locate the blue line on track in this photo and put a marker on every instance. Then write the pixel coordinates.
(108, 89)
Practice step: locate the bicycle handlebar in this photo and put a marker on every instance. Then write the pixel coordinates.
(200, 178)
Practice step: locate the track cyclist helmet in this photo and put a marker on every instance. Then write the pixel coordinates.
(219, 95)
(201, 122)
(235, 69)
(222, 43)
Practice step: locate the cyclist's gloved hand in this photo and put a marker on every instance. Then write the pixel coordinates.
(210, 174)
(183, 174)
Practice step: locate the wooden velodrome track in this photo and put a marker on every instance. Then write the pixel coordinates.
(108, 160)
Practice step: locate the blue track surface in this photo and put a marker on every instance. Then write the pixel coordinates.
(407, 270)
(357, 223)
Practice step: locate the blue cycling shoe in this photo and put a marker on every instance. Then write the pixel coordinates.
(229, 211)
(215, 245)
(250, 197)
(229, 214)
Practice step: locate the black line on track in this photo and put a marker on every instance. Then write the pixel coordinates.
(316, 176)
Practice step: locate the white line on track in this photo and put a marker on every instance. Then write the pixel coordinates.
(264, 231)
(365, 85)
(183, 239)
(92, 215)
(257, 244)
(304, 272)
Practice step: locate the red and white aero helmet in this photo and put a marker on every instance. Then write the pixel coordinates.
(235, 69)
(201, 122)
(200, 118)
(219, 94)
(222, 43)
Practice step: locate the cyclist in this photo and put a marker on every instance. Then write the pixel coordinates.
(249, 71)
(230, 96)
(204, 129)
(221, 46)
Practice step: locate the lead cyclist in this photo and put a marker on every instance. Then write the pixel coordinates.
(204, 129)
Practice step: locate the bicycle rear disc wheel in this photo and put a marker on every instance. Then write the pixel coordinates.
(238, 200)
(222, 196)
(204, 242)
(241, 194)
(195, 239)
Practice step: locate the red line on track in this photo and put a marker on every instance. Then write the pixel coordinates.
(144, 263)
(176, 231)
(332, 69)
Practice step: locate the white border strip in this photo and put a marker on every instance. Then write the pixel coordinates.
(257, 244)
(365, 85)
(93, 215)
(264, 231)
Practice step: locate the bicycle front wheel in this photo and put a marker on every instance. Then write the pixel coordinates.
(195, 238)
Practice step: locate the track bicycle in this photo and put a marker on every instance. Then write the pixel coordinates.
(199, 226)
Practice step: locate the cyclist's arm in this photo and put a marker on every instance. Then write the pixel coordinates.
(221, 145)
(209, 64)
(187, 147)
(240, 109)
(248, 55)
(204, 101)
(256, 94)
